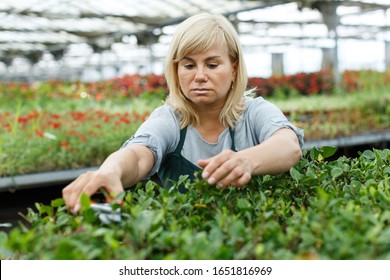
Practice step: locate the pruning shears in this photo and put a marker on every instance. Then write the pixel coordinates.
(106, 213)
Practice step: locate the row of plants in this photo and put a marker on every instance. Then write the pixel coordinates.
(339, 115)
(121, 87)
(321, 209)
(44, 133)
(322, 82)
(305, 84)
(45, 141)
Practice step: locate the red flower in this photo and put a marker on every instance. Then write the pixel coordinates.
(23, 120)
(78, 116)
(56, 125)
(99, 96)
(66, 146)
(39, 133)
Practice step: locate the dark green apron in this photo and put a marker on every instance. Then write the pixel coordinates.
(175, 165)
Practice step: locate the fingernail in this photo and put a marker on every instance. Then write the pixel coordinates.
(212, 181)
(76, 208)
(205, 175)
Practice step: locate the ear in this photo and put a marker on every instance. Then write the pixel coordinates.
(235, 70)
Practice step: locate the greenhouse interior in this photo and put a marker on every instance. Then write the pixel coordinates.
(79, 77)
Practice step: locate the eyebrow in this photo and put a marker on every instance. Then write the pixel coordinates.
(207, 59)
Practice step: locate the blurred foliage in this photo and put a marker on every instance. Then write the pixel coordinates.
(59, 125)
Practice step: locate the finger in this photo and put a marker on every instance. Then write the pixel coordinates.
(93, 183)
(233, 175)
(71, 198)
(111, 184)
(206, 168)
(113, 190)
(243, 180)
(72, 192)
(223, 171)
(87, 183)
(203, 162)
(210, 165)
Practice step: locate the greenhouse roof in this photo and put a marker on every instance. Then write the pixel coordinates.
(99, 23)
(29, 28)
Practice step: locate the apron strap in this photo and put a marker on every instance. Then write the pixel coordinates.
(233, 147)
(183, 133)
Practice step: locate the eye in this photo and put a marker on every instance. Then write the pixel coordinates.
(189, 66)
(212, 65)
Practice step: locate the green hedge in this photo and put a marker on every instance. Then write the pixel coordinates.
(321, 209)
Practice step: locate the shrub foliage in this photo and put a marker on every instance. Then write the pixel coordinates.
(321, 209)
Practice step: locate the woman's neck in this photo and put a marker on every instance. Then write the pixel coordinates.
(210, 126)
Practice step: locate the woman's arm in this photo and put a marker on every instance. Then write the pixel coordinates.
(124, 167)
(275, 155)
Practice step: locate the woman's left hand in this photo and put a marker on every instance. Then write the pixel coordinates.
(227, 168)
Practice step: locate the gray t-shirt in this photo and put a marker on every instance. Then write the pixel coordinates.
(161, 132)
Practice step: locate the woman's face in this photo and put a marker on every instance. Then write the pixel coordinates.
(206, 78)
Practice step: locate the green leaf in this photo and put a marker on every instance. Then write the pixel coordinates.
(378, 157)
(243, 203)
(266, 178)
(322, 153)
(85, 201)
(45, 209)
(295, 174)
(336, 172)
(3, 239)
(371, 182)
(384, 236)
(368, 154)
(57, 202)
(5, 253)
(120, 196)
(182, 179)
(314, 152)
(309, 181)
(328, 151)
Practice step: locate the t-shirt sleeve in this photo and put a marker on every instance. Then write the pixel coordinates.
(266, 118)
(160, 133)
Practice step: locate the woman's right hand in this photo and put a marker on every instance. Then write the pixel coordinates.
(124, 167)
(89, 183)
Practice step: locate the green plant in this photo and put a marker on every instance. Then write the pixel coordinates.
(321, 209)
(338, 114)
(45, 141)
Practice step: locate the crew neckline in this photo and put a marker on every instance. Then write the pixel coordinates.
(226, 130)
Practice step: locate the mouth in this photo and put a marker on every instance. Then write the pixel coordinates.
(200, 90)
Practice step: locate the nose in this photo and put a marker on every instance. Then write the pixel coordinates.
(200, 75)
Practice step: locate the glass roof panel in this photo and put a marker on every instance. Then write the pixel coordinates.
(56, 25)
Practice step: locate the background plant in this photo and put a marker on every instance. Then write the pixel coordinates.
(338, 115)
(319, 83)
(61, 125)
(51, 133)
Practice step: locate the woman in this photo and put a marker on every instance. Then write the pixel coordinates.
(208, 122)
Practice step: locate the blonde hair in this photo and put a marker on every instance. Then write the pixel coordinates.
(195, 35)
